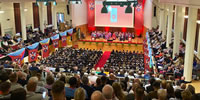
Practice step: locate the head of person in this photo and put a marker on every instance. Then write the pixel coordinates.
(156, 85)
(164, 84)
(79, 94)
(13, 78)
(170, 89)
(19, 93)
(151, 81)
(178, 94)
(73, 82)
(58, 90)
(85, 80)
(97, 95)
(5, 88)
(186, 95)
(183, 86)
(98, 82)
(118, 91)
(103, 80)
(108, 92)
(162, 94)
(191, 89)
(50, 79)
(32, 84)
(139, 93)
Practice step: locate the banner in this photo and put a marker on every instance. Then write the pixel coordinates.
(139, 17)
(33, 52)
(17, 56)
(45, 47)
(63, 39)
(91, 12)
(70, 31)
(55, 40)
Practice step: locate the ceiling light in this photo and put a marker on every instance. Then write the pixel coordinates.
(198, 21)
(186, 16)
(1, 12)
(25, 10)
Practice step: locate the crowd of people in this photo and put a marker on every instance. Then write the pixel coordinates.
(74, 78)
(122, 36)
(71, 59)
(165, 62)
(9, 44)
(124, 62)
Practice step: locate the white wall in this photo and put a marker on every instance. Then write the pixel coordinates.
(8, 9)
(7, 18)
(29, 13)
(79, 13)
(61, 7)
(148, 14)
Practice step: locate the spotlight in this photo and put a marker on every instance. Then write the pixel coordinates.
(104, 9)
(54, 3)
(129, 8)
(75, 2)
(46, 3)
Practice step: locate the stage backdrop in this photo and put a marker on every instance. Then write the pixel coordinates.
(137, 16)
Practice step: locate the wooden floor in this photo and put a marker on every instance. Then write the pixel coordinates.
(196, 85)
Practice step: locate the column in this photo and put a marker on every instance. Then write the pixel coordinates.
(179, 16)
(164, 30)
(189, 52)
(169, 26)
(23, 20)
(54, 16)
(43, 16)
(161, 22)
(198, 50)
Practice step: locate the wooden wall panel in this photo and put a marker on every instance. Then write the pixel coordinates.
(114, 29)
(185, 24)
(197, 31)
(36, 17)
(49, 14)
(17, 17)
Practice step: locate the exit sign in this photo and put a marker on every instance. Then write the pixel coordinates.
(44, 0)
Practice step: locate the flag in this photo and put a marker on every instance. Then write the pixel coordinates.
(17, 56)
(32, 52)
(45, 47)
(55, 40)
(63, 38)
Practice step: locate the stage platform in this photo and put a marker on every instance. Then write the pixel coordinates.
(136, 40)
(135, 45)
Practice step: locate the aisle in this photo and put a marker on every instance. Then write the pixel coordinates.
(103, 59)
